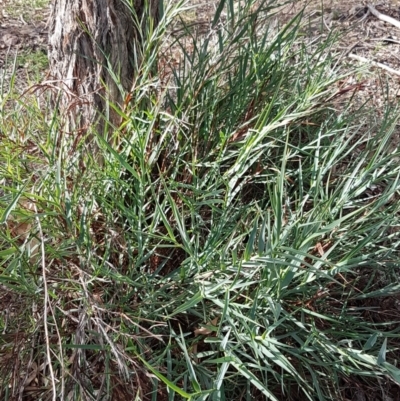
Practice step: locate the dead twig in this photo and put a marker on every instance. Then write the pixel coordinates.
(47, 307)
(375, 64)
(365, 16)
(389, 40)
(383, 17)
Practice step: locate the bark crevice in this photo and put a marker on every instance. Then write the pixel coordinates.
(87, 40)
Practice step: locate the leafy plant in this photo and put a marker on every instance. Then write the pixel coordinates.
(225, 247)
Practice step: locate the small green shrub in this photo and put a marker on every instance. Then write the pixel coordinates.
(225, 247)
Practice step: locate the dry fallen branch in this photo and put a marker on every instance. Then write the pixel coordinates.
(383, 17)
(375, 64)
(47, 306)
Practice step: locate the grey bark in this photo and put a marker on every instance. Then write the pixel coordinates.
(87, 39)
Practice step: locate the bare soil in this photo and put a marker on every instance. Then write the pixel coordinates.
(23, 34)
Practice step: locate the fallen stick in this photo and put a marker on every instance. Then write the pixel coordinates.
(384, 17)
(390, 40)
(375, 64)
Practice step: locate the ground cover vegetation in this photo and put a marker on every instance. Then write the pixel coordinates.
(233, 243)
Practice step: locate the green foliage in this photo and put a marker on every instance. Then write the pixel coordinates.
(28, 10)
(224, 247)
(35, 62)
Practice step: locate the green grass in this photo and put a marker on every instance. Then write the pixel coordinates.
(30, 11)
(34, 63)
(230, 244)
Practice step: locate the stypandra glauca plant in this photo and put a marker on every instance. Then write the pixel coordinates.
(231, 245)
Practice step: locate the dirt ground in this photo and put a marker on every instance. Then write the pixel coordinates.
(22, 26)
(23, 30)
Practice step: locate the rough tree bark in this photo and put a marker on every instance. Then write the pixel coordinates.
(88, 38)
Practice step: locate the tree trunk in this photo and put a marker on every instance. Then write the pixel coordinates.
(89, 42)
